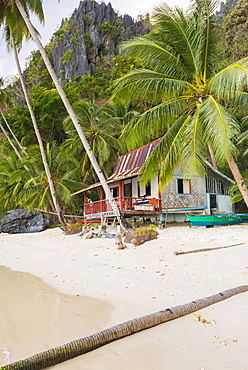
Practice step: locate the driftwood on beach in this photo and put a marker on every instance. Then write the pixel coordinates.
(78, 347)
(206, 249)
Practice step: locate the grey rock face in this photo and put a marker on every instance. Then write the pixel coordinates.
(19, 221)
(93, 31)
(225, 7)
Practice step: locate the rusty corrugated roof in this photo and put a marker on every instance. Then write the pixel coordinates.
(129, 164)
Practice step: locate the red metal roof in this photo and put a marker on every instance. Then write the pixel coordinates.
(129, 164)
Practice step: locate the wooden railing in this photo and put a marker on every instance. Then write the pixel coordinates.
(125, 204)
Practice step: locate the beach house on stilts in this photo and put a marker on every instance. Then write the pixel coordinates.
(198, 194)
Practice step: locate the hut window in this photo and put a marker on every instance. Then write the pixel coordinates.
(215, 186)
(148, 189)
(144, 190)
(183, 186)
(115, 192)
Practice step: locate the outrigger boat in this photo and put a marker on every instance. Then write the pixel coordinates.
(218, 219)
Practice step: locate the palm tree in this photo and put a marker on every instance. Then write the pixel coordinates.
(190, 101)
(30, 189)
(12, 174)
(78, 347)
(9, 5)
(101, 126)
(14, 40)
(64, 170)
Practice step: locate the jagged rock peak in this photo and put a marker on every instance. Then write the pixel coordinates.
(225, 7)
(93, 31)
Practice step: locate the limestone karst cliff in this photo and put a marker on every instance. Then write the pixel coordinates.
(92, 32)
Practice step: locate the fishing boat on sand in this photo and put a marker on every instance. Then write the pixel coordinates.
(217, 219)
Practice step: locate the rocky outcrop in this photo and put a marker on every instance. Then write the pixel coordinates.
(19, 221)
(93, 31)
(225, 7)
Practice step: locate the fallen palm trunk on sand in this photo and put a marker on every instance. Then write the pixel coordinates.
(78, 347)
(206, 249)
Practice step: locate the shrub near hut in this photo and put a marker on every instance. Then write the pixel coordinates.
(143, 235)
(74, 228)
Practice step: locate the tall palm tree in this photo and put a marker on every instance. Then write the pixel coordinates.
(190, 101)
(101, 127)
(9, 5)
(14, 40)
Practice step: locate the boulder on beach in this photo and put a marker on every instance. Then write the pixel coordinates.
(19, 221)
(88, 235)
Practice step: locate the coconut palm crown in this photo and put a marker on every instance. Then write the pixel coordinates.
(189, 101)
(100, 125)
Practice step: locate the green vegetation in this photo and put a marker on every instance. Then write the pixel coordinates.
(174, 83)
(143, 234)
(145, 231)
(191, 106)
(111, 29)
(67, 57)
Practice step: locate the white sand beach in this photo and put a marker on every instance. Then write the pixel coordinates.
(137, 281)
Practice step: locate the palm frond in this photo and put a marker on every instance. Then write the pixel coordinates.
(230, 81)
(147, 84)
(177, 32)
(167, 155)
(195, 152)
(219, 128)
(157, 56)
(153, 122)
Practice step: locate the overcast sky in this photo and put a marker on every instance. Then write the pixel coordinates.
(54, 12)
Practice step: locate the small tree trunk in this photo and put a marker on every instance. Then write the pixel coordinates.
(238, 178)
(12, 133)
(71, 114)
(213, 160)
(37, 132)
(10, 141)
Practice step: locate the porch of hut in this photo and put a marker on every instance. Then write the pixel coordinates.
(133, 197)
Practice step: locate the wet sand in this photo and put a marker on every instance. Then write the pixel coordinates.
(137, 281)
(35, 317)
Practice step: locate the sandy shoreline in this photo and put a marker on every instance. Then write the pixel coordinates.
(141, 280)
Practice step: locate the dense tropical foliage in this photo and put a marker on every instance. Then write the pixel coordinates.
(180, 82)
(192, 105)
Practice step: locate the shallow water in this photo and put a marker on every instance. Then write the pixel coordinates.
(35, 317)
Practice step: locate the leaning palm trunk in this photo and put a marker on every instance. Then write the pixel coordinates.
(238, 178)
(72, 115)
(39, 139)
(78, 347)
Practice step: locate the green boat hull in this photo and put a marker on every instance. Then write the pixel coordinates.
(218, 219)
